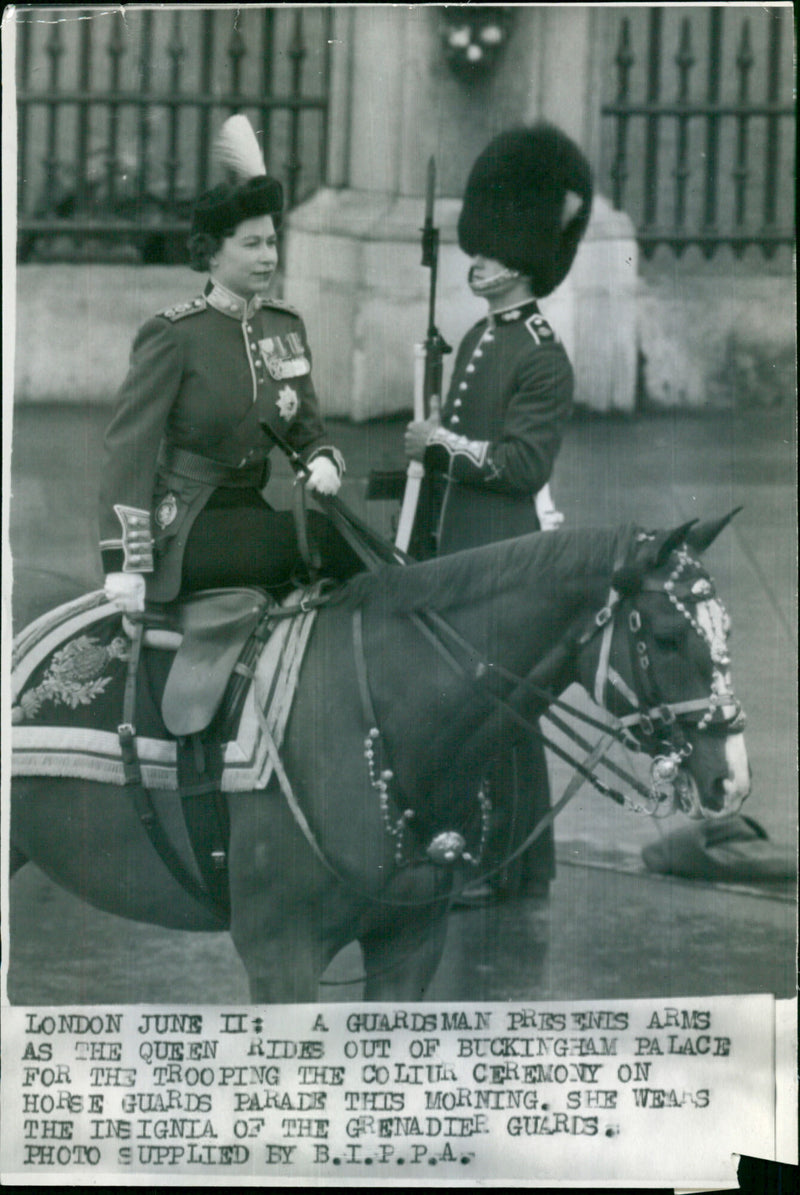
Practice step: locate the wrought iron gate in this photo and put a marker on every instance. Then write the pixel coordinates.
(703, 161)
(117, 110)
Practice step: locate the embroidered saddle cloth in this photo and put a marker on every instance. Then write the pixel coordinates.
(68, 679)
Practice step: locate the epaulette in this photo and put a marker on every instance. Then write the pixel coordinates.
(181, 310)
(280, 305)
(539, 329)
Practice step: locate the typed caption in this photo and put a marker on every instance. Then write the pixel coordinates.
(425, 1092)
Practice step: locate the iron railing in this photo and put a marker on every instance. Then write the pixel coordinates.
(117, 112)
(672, 142)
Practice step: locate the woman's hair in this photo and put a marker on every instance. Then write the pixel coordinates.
(203, 245)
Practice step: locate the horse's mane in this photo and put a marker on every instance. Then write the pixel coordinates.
(540, 561)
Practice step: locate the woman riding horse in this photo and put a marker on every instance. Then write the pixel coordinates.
(186, 454)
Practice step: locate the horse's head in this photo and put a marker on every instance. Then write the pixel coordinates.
(660, 664)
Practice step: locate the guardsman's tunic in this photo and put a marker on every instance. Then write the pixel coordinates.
(186, 426)
(502, 424)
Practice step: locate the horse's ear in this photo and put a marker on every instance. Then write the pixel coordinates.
(668, 541)
(648, 551)
(702, 535)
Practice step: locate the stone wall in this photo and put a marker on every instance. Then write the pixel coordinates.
(720, 340)
(716, 337)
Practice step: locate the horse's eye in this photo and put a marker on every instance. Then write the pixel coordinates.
(669, 641)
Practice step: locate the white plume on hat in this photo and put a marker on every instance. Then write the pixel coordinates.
(237, 151)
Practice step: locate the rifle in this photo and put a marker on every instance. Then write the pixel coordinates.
(413, 531)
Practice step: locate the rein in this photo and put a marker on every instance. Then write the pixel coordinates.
(653, 720)
(450, 850)
(649, 714)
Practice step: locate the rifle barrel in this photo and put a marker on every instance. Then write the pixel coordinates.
(430, 191)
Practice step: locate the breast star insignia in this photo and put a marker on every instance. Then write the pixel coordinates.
(288, 402)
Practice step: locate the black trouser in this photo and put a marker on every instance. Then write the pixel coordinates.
(237, 539)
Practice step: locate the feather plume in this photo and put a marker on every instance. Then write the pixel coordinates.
(237, 151)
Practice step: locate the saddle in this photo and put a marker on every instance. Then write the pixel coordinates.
(214, 634)
(209, 630)
(193, 698)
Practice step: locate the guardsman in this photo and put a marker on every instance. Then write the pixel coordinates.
(185, 454)
(489, 454)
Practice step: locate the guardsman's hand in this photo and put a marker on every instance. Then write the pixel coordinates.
(126, 591)
(323, 476)
(419, 431)
(550, 519)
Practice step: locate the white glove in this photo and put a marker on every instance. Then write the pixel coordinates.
(550, 519)
(324, 476)
(126, 591)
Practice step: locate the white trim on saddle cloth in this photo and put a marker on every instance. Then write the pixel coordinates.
(94, 754)
(47, 632)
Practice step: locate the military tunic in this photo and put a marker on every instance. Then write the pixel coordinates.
(202, 376)
(502, 424)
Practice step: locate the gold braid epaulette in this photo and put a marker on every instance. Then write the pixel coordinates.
(181, 310)
(280, 305)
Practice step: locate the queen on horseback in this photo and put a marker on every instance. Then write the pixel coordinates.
(186, 455)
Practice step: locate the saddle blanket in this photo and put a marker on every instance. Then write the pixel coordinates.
(68, 678)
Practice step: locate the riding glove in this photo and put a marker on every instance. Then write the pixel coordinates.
(323, 476)
(126, 591)
(550, 519)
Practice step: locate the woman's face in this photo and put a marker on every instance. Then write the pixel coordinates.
(246, 261)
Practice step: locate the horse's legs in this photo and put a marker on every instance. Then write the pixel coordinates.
(282, 924)
(281, 972)
(403, 943)
(400, 964)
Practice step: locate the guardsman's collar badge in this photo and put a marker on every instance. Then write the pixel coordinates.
(510, 315)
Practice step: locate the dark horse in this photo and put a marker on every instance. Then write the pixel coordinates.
(391, 732)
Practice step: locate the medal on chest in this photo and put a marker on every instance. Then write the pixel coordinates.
(284, 356)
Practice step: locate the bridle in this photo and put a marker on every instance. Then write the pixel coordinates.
(648, 723)
(644, 719)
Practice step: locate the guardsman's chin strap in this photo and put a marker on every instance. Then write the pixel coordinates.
(490, 286)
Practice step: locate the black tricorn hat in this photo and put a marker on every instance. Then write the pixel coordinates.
(247, 191)
(527, 203)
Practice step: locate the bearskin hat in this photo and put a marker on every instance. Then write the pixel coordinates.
(527, 204)
(247, 190)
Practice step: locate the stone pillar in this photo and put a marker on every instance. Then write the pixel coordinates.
(353, 250)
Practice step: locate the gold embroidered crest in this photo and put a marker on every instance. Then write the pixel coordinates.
(75, 676)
